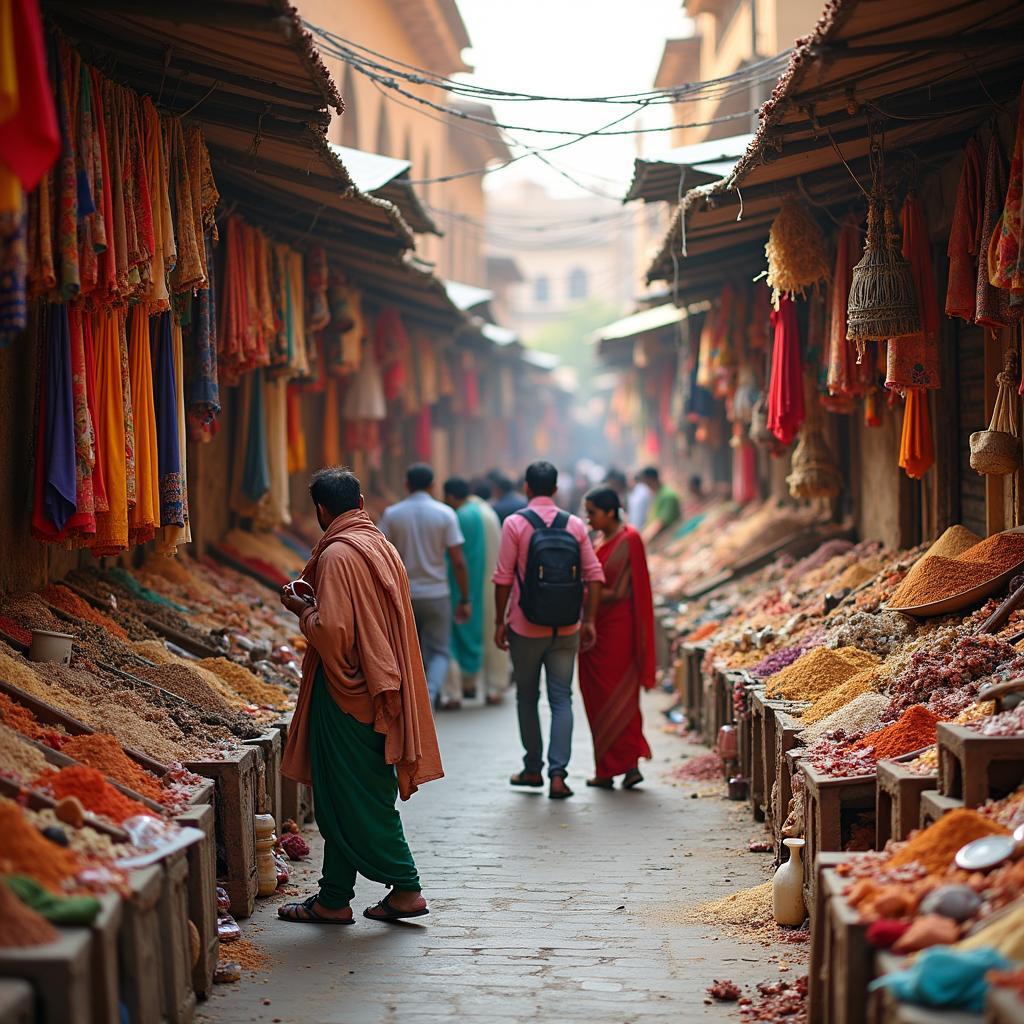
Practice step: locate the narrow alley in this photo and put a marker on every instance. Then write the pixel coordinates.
(539, 909)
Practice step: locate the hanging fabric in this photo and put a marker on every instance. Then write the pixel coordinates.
(164, 249)
(145, 516)
(786, 388)
(848, 375)
(1006, 252)
(112, 523)
(913, 359)
(297, 457)
(256, 467)
(202, 388)
(275, 508)
(992, 305)
(917, 448)
(165, 406)
(332, 424)
(963, 246)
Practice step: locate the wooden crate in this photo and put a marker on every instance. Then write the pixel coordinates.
(898, 800)
(817, 973)
(934, 805)
(269, 795)
(974, 768)
(829, 805)
(17, 1005)
(104, 964)
(140, 948)
(848, 959)
(775, 748)
(786, 731)
(694, 655)
(176, 949)
(745, 729)
(1003, 1007)
(296, 798)
(60, 975)
(235, 779)
(202, 893)
(757, 796)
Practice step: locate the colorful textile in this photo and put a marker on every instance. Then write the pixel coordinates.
(963, 245)
(84, 519)
(29, 135)
(786, 388)
(467, 641)
(203, 388)
(992, 304)
(170, 536)
(917, 448)
(111, 524)
(363, 632)
(297, 457)
(13, 258)
(913, 361)
(145, 516)
(623, 659)
(849, 375)
(55, 489)
(256, 467)
(1006, 253)
(355, 790)
(165, 403)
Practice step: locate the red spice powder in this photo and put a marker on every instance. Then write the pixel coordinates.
(68, 601)
(95, 793)
(16, 632)
(104, 753)
(914, 729)
(935, 847)
(20, 719)
(24, 851)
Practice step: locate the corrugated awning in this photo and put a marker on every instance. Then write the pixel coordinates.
(387, 178)
(927, 71)
(468, 296)
(665, 178)
(640, 323)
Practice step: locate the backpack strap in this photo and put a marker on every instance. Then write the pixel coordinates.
(532, 518)
(560, 522)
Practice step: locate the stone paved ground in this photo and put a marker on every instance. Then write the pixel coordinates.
(540, 910)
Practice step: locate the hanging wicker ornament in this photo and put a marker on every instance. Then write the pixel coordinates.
(813, 470)
(797, 252)
(996, 451)
(883, 301)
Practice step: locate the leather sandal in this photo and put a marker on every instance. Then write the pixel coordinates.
(291, 912)
(532, 779)
(563, 792)
(597, 782)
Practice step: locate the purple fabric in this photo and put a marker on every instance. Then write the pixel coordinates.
(60, 490)
(165, 399)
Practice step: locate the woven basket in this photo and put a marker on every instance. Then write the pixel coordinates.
(814, 473)
(994, 452)
(882, 302)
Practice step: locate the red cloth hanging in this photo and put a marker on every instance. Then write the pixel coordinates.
(786, 388)
(423, 430)
(393, 351)
(29, 138)
(848, 374)
(962, 248)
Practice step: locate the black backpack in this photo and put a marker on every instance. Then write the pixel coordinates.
(551, 593)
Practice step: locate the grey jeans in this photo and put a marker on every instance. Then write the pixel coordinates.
(434, 627)
(557, 656)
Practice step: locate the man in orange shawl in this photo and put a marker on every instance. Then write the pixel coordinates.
(362, 733)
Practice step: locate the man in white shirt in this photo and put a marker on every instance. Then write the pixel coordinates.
(427, 534)
(638, 505)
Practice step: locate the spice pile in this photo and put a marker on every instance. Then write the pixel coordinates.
(20, 926)
(819, 671)
(93, 791)
(103, 752)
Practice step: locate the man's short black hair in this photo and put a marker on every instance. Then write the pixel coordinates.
(615, 478)
(696, 483)
(457, 487)
(650, 473)
(419, 477)
(501, 483)
(542, 479)
(336, 489)
(482, 488)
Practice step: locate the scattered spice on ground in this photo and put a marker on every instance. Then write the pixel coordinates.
(250, 956)
(104, 753)
(935, 847)
(818, 671)
(748, 913)
(778, 1001)
(68, 601)
(21, 926)
(702, 768)
(724, 991)
(96, 794)
(25, 851)
(914, 729)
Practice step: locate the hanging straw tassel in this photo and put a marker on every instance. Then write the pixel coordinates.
(883, 301)
(996, 451)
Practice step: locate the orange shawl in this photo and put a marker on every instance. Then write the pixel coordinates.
(363, 633)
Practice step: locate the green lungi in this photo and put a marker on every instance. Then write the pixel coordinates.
(354, 796)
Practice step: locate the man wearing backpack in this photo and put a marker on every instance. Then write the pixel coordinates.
(547, 567)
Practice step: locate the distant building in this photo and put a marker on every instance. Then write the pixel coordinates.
(583, 253)
(427, 34)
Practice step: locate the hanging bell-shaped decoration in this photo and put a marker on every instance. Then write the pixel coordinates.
(883, 301)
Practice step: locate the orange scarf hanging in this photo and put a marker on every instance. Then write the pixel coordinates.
(917, 449)
(145, 516)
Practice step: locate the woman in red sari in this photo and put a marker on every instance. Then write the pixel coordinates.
(622, 661)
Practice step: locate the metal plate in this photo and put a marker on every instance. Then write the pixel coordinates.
(985, 853)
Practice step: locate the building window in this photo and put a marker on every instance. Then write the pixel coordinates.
(541, 289)
(577, 283)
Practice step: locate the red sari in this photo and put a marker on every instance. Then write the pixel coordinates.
(622, 660)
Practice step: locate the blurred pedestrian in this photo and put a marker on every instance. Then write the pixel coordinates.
(622, 660)
(666, 509)
(506, 498)
(427, 535)
(638, 504)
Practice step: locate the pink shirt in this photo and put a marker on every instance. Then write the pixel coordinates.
(515, 542)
